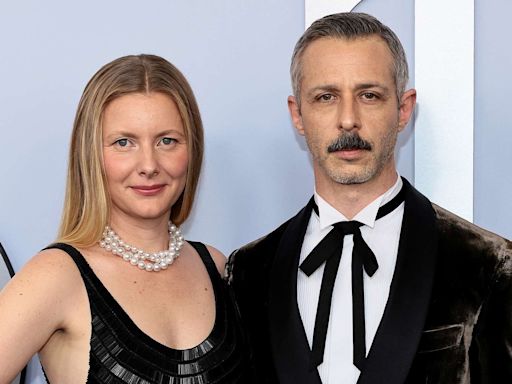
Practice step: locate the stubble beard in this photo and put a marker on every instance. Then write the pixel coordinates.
(345, 174)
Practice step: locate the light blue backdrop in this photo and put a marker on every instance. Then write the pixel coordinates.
(236, 56)
(493, 125)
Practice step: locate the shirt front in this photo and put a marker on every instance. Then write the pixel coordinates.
(382, 236)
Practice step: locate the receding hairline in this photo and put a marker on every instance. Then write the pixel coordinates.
(374, 36)
(350, 26)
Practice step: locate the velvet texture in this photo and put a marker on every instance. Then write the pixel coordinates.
(448, 319)
(468, 332)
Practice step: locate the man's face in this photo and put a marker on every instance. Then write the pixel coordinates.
(349, 111)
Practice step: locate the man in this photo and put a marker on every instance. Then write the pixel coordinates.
(370, 282)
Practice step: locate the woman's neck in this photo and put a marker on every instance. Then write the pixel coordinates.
(149, 235)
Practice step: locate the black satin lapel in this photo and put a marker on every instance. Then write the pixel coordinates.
(290, 346)
(397, 338)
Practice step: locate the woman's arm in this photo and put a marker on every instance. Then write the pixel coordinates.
(32, 307)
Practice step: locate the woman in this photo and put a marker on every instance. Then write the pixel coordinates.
(122, 297)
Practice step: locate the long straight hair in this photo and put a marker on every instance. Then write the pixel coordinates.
(87, 202)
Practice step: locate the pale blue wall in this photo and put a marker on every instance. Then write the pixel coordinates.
(236, 56)
(493, 126)
(399, 16)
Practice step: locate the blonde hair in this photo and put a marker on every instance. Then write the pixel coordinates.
(87, 202)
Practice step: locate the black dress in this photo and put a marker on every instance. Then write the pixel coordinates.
(121, 353)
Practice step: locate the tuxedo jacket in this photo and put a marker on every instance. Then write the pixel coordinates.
(448, 318)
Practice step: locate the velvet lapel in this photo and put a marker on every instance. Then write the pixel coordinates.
(397, 338)
(290, 346)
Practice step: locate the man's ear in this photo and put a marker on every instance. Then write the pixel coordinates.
(293, 107)
(407, 103)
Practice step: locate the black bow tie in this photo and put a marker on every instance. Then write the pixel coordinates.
(329, 251)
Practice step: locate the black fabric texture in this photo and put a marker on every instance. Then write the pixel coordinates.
(448, 319)
(121, 353)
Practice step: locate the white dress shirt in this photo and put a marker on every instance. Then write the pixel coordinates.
(382, 236)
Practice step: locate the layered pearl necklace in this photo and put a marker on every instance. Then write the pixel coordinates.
(147, 261)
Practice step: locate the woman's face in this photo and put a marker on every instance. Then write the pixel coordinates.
(145, 155)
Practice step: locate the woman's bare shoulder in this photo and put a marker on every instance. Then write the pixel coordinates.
(218, 257)
(48, 264)
(34, 304)
(49, 276)
(48, 279)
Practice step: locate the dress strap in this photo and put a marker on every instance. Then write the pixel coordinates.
(77, 257)
(84, 267)
(207, 259)
(80, 263)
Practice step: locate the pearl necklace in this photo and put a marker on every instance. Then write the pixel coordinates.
(144, 260)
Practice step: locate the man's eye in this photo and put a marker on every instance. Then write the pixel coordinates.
(326, 97)
(168, 140)
(370, 96)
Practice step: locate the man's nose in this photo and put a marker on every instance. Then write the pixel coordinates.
(348, 114)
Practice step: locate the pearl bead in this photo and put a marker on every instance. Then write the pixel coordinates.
(158, 261)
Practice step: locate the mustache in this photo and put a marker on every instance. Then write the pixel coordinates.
(349, 141)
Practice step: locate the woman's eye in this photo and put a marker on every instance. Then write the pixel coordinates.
(121, 142)
(168, 140)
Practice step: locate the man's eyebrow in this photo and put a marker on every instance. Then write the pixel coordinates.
(372, 85)
(323, 88)
(358, 87)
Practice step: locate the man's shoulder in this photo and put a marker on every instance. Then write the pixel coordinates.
(457, 232)
(261, 249)
(459, 235)
(257, 257)
(451, 224)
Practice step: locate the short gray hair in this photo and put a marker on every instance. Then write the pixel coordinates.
(350, 25)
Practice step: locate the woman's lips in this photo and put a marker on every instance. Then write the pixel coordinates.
(148, 190)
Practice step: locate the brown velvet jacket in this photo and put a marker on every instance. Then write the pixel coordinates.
(448, 319)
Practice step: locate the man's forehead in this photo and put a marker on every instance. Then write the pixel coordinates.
(357, 56)
(352, 44)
